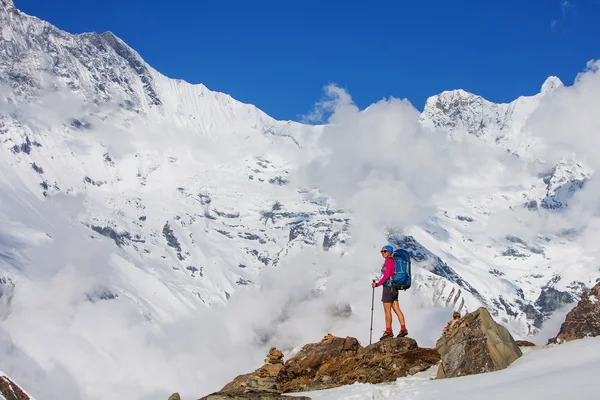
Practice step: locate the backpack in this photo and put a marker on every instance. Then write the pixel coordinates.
(401, 278)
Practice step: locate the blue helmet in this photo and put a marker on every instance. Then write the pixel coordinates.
(388, 248)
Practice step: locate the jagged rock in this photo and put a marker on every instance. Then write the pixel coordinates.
(336, 361)
(583, 320)
(119, 238)
(455, 318)
(274, 357)
(10, 390)
(174, 396)
(263, 380)
(384, 361)
(474, 344)
(251, 396)
(524, 343)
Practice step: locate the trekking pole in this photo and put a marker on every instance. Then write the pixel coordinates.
(372, 308)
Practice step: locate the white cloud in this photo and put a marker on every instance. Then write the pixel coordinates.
(565, 6)
(335, 98)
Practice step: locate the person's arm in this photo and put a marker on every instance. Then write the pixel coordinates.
(389, 267)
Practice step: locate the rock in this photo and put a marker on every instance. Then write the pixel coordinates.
(301, 370)
(455, 318)
(175, 396)
(525, 343)
(474, 344)
(384, 361)
(263, 380)
(274, 357)
(251, 396)
(262, 383)
(583, 320)
(10, 390)
(334, 362)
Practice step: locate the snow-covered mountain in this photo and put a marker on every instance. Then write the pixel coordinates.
(502, 124)
(130, 187)
(171, 172)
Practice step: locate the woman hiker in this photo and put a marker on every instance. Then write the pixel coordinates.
(390, 295)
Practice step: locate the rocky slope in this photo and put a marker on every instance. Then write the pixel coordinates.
(583, 320)
(9, 390)
(334, 362)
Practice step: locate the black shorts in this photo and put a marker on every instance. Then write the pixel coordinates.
(389, 295)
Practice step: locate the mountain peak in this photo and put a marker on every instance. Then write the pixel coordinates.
(552, 83)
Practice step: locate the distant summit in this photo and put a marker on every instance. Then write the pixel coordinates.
(551, 84)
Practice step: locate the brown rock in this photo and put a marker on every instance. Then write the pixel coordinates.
(384, 361)
(525, 343)
(274, 357)
(11, 391)
(474, 344)
(329, 336)
(335, 362)
(174, 396)
(263, 379)
(455, 317)
(583, 320)
(238, 385)
(251, 396)
(304, 366)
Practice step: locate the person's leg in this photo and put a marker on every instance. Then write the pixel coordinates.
(386, 299)
(396, 308)
(387, 308)
(399, 314)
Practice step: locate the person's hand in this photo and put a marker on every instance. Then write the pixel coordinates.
(373, 285)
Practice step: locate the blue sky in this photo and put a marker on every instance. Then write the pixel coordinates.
(279, 55)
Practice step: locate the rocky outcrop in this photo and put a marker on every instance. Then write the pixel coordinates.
(175, 396)
(337, 362)
(263, 380)
(252, 396)
(333, 362)
(11, 391)
(583, 320)
(475, 344)
(525, 343)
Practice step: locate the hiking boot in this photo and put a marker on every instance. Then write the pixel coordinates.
(387, 334)
(403, 333)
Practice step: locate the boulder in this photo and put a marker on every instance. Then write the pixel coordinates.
(583, 320)
(475, 344)
(175, 396)
(333, 362)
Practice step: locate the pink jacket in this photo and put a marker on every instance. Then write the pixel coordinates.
(387, 269)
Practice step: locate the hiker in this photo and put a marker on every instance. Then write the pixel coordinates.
(389, 297)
